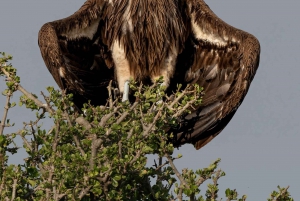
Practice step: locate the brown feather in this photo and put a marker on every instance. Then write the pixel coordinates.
(224, 64)
(222, 59)
(154, 33)
(74, 52)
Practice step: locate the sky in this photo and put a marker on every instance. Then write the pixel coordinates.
(260, 146)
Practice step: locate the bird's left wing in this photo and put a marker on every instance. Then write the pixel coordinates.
(221, 59)
(75, 53)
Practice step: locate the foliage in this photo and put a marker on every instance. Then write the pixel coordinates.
(101, 154)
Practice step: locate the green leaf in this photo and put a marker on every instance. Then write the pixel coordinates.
(115, 183)
(117, 177)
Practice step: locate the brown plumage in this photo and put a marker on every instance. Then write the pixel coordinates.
(183, 40)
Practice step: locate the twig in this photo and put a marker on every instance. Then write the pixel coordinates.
(176, 100)
(180, 112)
(3, 181)
(84, 192)
(162, 165)
(6, 108)
(175, 170)
(74, 137)
(122, 117)
(281, 193)
(136, 157)
(25, 140)
(110, 95)
(78, 145)
(130, 134)
(148, 129)
(57, 130)
(192, 197)
(106, 117)
(179, 196)
(27, 94)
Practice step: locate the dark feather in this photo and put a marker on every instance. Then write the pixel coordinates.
(224, 69)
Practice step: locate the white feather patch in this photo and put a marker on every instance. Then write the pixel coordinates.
(88, 32)
(201, 33)
(61, 71)
(122, 65)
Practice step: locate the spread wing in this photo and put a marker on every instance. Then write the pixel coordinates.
(221, 59)
(75, 53)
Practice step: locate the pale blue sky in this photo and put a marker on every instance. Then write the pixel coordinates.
(260, 146)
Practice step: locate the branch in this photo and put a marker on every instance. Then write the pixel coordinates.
(74, 137)
(110, 95)
(179, 196)
(175, 170)
(95, 145)
(14, 189)
(148, 129)
(6, 108)
(27, 94)
(183, 93)
(84, 192)
(281, 193)
(121, 118)
(106, 117)
(182, 110)
(81, 121)
(25, 140)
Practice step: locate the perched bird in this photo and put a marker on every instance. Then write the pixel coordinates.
(181, 40)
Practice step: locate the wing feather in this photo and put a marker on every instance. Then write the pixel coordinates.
(224, 61)
(75, 53)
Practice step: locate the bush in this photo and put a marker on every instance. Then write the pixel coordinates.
(101, 153)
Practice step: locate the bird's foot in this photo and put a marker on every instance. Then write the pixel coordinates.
(126, 91)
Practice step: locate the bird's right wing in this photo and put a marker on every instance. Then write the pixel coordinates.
(75, 53)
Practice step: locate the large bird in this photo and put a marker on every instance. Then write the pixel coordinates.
(181, 40)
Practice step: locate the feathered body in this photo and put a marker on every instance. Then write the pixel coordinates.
(182, 40)
(147, 32)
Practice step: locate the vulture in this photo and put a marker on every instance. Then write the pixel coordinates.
(181, 40)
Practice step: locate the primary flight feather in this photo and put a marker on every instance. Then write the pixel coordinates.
(181, 40)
